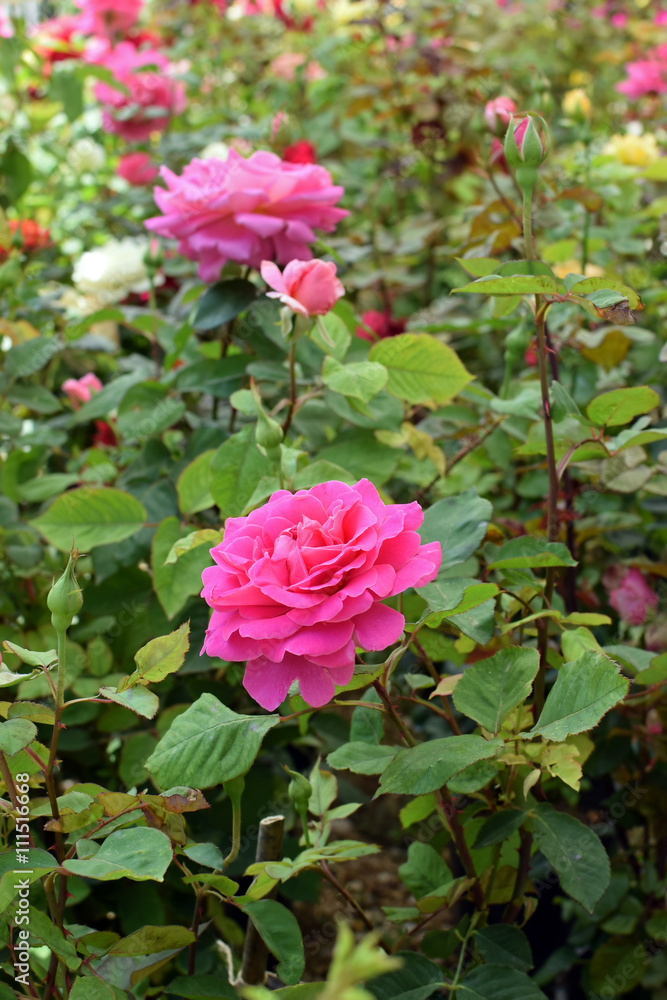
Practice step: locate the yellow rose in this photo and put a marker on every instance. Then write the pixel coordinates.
(577, 104)
(633, 150)
(574, 267)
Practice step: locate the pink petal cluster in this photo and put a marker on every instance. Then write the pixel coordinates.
(146, 74)
(383, 324)
(646, 76)
(308, 287)
(137, 169)
(298, 583)
(245, 210)
(497, 113)
(107, 18)
(80, 390)
(633, 597)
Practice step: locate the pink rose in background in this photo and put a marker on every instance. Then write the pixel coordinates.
(107, 18)
(146, 75)
(6, 31)
(497, 113)
(80, 390)
(382, 324)
(632, 597)
(245, 210)
(53, 40)
(286, 65)
(137, 169)
(646, 76)
(660, 18)
(298, 583)
(308, 287)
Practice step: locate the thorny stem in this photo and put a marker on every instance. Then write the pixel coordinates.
(448, 813)
(359, 910)
(464, 948)
(513, 910)
(9, 781)
(396, 719)
(291, 360)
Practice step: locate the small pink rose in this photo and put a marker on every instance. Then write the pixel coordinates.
(80, 390)
(137, 169)
(308, 287)
(497, 113)
(633, 598)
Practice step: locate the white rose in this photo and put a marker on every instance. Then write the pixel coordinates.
(85, 156)
(215, 151)
(114, 270)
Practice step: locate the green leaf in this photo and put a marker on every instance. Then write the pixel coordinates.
(477, 623)
(620, 406)
(68, 89)
(175, 582)
(42, 928)
(15, 735)
(584, 691)
(201, 987)
(619, 965)
(159, 658)
(505, 945)
(479, 267)
(45, 487)
(194, 484)
(109, 398)
(236, 469)
(33, 659)
(204, 536)
(360, 380)
(527, 552)
(492, 687)
(31, 356)
(32, 711)
(575, 853)
(424, 871)
(338, 334)
(148, 940)
(93, 988)
(499, 827)
(222, 302)
(208, 744)
(530, 267)
(429, 766)
(421, 368)
(416, 980)
(39, 863)
(497, 982)
(17, 172)
(278, 928)
(494, 284)
(361, 758)
(220, 883)
(91, 517)
(139, 853)
(587, 285)
(137, 699)
(147, 410)
(459, 523)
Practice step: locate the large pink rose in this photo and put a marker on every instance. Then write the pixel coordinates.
(146, 75)
(298, 583)
(245, 210)
(108, 17)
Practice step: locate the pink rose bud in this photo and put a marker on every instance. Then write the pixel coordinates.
(299, 582)
(80, 390)
(137, 169)
(633, 598)
(308, 287)
(498, 113)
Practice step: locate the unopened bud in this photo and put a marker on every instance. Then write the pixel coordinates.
(65, 600)
(526, 147)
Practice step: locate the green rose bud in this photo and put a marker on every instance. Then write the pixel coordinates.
(299, 791)
(65, 600)
(526, 147)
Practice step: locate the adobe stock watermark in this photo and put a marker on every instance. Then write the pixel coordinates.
(20, 954)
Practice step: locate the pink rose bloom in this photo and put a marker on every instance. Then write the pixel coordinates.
(497, 113)
(646, 76)
(80, 390)
(298, 583)
(285, 67)
(137, 169)
(6, 31)
(660, 18)
(633, 598)
(107, 18)
(619, 20)
(149, 90)
(308, 287)
(245, 210)
(382, 324)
